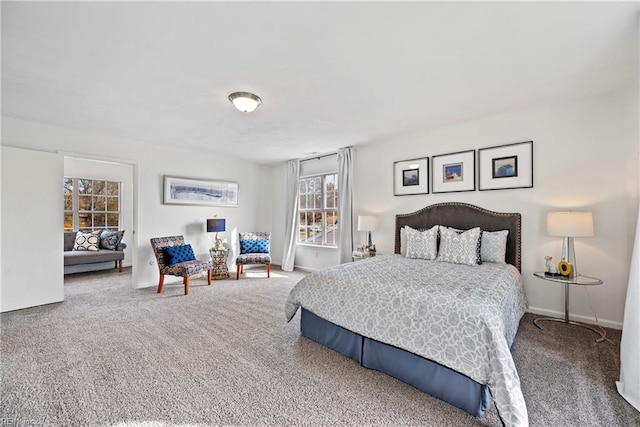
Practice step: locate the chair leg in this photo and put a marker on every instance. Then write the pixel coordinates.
(268, 271)
(209, 274)
(186, 285)
(238, 271)
(120, 265)
(161, 283)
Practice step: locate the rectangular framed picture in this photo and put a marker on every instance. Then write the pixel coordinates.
(506, 166)
(454, 172)
(188, 191)
(411, 177)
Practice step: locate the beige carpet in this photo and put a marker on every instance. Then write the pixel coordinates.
(224, 355)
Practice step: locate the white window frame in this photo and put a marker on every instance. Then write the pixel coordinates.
(324, 209)
(75, 210)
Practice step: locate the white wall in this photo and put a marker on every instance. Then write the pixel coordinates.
(585, 157)
(123, 173)
(152, 163)
(31, 229)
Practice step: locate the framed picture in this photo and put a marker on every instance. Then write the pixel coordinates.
(454, 172)
(187, 191)
(506, 166)
(411, 177)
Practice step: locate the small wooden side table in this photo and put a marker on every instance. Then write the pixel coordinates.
(219, 258)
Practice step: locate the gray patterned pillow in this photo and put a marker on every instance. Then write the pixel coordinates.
(110, 239)
(422, 244)
(459, 248)
(494, 246)
(86, 241)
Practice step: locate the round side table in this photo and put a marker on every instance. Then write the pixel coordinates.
(576, 280)
(219, 258)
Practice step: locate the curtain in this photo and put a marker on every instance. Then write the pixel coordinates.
(629, 384)
(292, 189)
(345, 191)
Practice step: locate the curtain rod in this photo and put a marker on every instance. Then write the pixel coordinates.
(318, 157)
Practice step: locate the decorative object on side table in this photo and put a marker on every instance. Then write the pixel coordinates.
(368, 224)
(569, 225)
(216, 225)
(219, 258)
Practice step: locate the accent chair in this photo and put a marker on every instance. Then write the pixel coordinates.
(254, 249)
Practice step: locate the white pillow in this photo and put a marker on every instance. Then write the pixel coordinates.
(403, 242)
(459, 248)
(87, 241)
(494, 246)
(422, 244)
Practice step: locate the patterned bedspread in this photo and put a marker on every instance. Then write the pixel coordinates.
(460, 316)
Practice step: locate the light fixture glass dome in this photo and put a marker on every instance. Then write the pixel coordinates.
(245, 101)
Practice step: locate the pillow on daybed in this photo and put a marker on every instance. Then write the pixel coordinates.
(421, 244)
(459, 247)
(493, 247)
(177, 254)
(87, 241)
(110, 239)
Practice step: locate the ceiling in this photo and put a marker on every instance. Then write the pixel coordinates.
(330, 74)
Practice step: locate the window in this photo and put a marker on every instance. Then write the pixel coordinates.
(91, 204)
(318, 221)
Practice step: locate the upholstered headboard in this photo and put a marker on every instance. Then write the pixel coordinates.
(465, 216)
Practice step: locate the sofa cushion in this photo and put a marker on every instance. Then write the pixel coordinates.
(110, 239)
(89, 257)
(87, 241)
(69, 240)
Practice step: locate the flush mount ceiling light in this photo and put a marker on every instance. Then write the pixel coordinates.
(245, 101)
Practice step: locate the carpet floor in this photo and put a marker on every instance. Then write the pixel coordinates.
(111, 355)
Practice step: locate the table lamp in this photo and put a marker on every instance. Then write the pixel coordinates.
(216, 225)
(368, 224)
(569, 225)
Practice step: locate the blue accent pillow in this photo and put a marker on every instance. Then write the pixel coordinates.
(111, 239)
(176, 254)
(254, 246)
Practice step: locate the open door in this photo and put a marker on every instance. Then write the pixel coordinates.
(32, 261)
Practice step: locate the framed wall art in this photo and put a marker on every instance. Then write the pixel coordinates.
(411, 177)
(506, 166)
(187, 191)
(454, 172)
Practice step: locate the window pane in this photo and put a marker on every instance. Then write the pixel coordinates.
(67, 185)
(303, 201)
(85, 186)
(99, 203)
(99, 220)
(68, 222)
(113, 189)
(112, 204)
(112, 221)
(84, 203)
(84, 221)
(99, 187)
(332, 228)
(68, 202)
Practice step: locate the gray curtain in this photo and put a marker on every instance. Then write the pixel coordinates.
(345, 190)
(292, 189)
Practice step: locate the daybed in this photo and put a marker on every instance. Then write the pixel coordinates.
(445, 328)
(89, 260)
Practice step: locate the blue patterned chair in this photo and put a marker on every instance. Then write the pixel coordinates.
(177, 259)
(254, 249)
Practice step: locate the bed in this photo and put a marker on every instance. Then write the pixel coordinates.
(445, 328)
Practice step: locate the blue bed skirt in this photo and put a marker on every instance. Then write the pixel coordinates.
(424, 374)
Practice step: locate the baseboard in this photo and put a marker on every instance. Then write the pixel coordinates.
(584, 319)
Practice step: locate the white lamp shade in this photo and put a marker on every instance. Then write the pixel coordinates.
(367, 223)
(570, 224)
